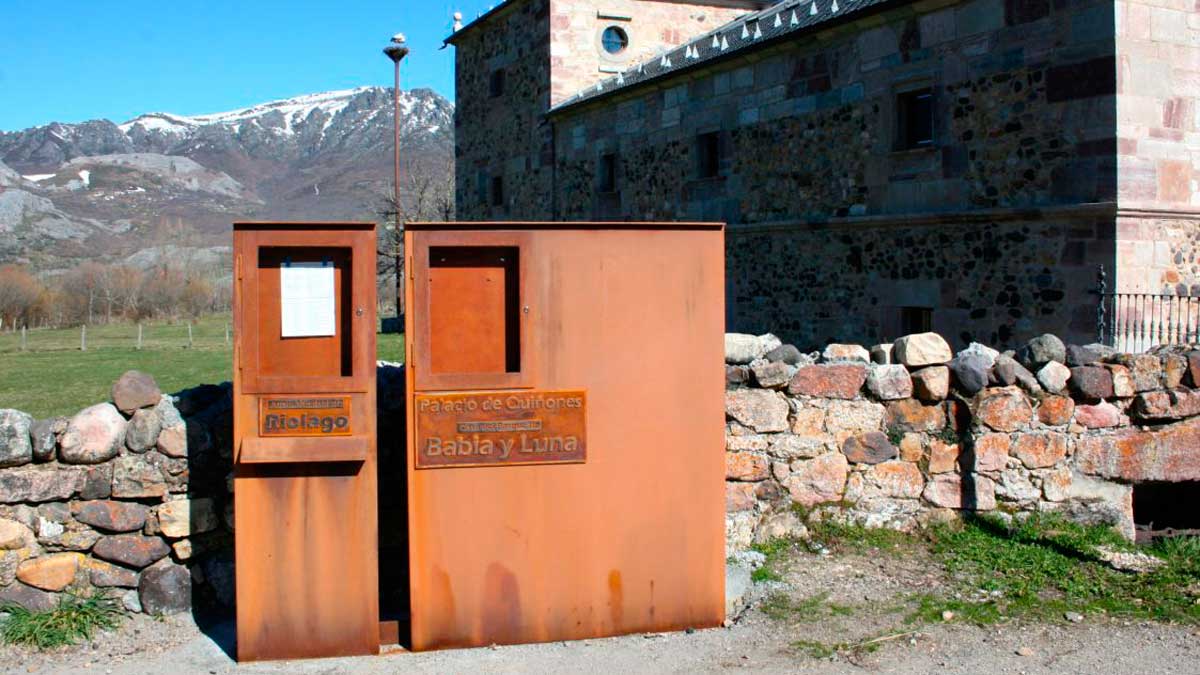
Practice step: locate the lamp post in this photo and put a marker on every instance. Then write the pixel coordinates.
(396, 51)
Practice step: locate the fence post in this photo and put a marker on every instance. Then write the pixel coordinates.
(1103, 283)
(189, 335)
(139, 342)
(23, 337)
(83, 338)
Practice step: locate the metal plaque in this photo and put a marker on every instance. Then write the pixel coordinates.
(304, 416)
(501, 427)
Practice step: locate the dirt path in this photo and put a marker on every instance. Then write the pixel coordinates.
(857, 598)
(754, 645)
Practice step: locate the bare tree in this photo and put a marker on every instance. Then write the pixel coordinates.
(426, 193)
(19, 296)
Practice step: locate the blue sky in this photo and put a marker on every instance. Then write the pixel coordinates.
(70, 60)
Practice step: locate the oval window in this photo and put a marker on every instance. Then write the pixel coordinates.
(614, 40)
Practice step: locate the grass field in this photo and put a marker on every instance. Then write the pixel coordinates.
(52, 376)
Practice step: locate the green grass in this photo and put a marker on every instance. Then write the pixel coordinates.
(776, 552)
(1035, 570)
(842, 537)
(1045, 566)
(75, 619)
(53, 377)
(812, 608)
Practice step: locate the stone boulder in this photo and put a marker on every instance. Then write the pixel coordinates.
(1169, 453)
(107, 575)
(931, 384)
(763, 411)
(1092, 383)
(771, 374)
(921, 349)
(881, 354)
(1102, 415)
(33, 599)
(1053, 377)
(872, 447)
(141, 434)
(1040, 451)
(988, 354)
(137, 477)
(1146, 370)
(742, 349)
(50, 572)
(818, 480)
(1055, 411)
(44, 434)
(13, 535)
(910, 415)
(889, 383)
(1082, 356)
(185, 517)
(951, 491)
(111, 516)
(833, 380)
(133, 550)
(839, 352)
(93, 435)
(133, 390)
(165, 588)
(970, 371)
(1005, 409)
(33, 484)
(1041, 350)
(1174, 370)
(16, 446)
(787, 354)
(1008, 372)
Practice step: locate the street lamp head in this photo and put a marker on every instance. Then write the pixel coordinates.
(397, 48)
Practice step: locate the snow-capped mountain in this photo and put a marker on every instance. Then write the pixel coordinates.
(325, 155)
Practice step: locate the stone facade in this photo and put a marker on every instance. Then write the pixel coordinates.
(833, 436)
(1158, 145)
(1047, 120)
(545, 50)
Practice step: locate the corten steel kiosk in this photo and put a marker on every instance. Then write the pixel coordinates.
(304, 440)
(566, 452)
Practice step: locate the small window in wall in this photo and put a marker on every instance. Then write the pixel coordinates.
(915, 320)
(497, 190)
(606, 174)
(481, 187)
(496, 83)
(614, 39)
(914, 110)
(708, 155)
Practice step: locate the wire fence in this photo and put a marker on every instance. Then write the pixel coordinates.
(204, 334)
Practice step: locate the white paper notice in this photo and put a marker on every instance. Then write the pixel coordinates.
(306, 299)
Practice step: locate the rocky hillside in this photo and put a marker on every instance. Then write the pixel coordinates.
(106, 190)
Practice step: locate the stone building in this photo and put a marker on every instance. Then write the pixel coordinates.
(884, 167)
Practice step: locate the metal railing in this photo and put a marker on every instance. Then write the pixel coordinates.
(1136, 322)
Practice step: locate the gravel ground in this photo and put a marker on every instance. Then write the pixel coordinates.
(869, 585)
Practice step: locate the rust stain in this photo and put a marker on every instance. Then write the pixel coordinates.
(501, 605)
(616, 599)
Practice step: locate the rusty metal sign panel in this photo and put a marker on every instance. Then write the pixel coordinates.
(501, 428)
(307, 416)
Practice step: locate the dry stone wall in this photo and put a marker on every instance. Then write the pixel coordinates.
(132, 497)
(904, 434)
